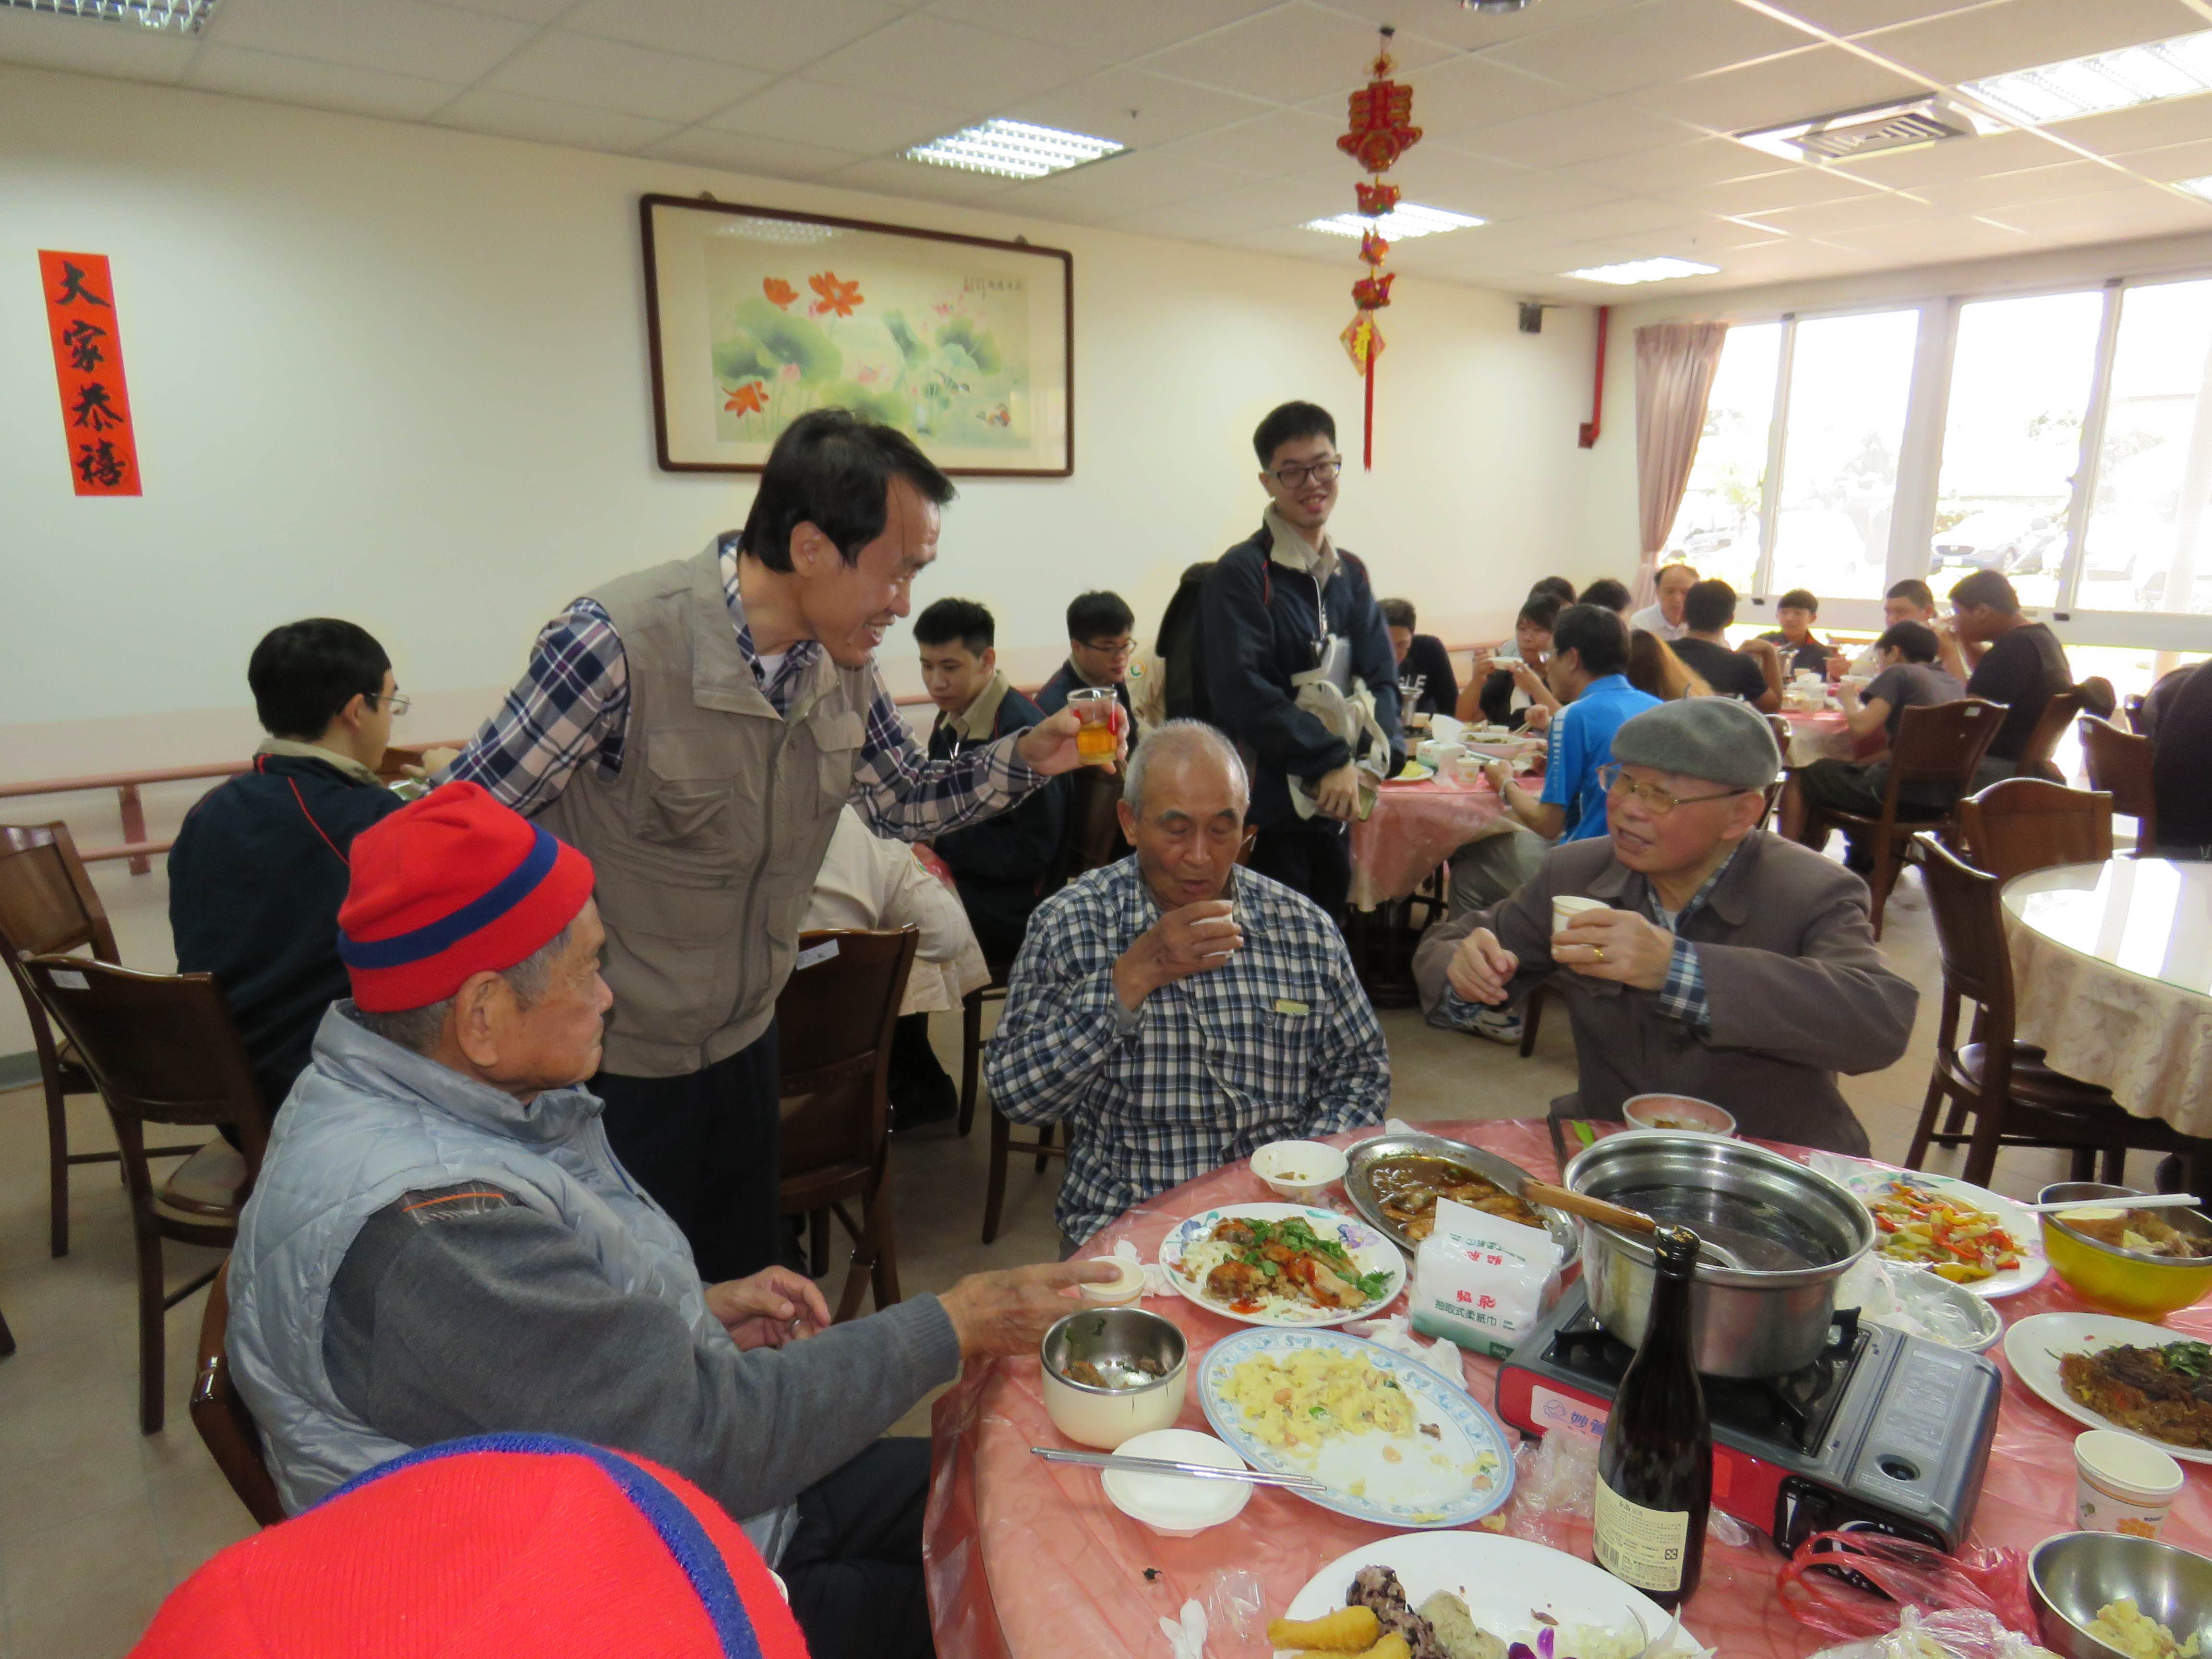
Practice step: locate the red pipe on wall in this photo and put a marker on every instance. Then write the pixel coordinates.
(1597, 389)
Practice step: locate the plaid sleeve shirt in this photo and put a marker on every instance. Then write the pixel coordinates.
(572, 705)
(1279, 1041)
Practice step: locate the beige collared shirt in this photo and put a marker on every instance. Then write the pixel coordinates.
(1294, 552)
(973, 723)
(292, 749)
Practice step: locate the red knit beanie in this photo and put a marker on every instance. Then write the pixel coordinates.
(450, 886)
(489, 1548)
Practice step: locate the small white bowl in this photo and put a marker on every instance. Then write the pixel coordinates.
(1177, 1505)
(1685, 1115)
(1300, 1171)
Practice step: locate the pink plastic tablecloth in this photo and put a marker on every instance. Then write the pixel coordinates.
(1028, 1560)
(1414, 828)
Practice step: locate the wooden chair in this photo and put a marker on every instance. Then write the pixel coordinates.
(2025, 823)
(2062, 711)
(162, 1050)
(2131, 706)
(48, 907)
(2119, 763)
(227, 1428)
(2013, 1098)
(1940, 743)
(834, 1022)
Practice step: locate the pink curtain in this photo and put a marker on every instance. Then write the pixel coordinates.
(1675, 365)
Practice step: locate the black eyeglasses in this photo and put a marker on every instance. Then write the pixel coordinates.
(1659, 802)
(1321, 472)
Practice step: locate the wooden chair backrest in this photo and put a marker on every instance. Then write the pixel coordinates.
(833, 1024)
(226, 1428)
(1092, 838)
(162, 1047)
(1244, 846)
(1970, 935)
(2120, 763)
(2064, 708)
(1944, 742)
(2027, 823)
(47, 902)
(2132, 707)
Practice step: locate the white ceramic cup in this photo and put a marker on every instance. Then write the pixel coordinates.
(2122, 1484)
(1115, 1293)
(1567, 906)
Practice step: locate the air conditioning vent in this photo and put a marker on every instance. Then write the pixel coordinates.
(1861, 132)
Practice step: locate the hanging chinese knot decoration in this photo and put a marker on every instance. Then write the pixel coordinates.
(1381, 131)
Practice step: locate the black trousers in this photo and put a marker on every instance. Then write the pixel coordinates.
(709, 1147)
(853, 1564)
(1314, 857)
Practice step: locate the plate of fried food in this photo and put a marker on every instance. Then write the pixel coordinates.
(1287, 1265)
(1977, 1239)
(1391, 1440)
(2114, 1373)
(1473, 1595)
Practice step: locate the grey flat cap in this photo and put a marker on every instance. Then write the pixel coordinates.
(1716, 738)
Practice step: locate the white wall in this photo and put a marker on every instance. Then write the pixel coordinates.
(398, 374)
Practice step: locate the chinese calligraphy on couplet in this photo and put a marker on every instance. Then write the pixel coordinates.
(103, 454)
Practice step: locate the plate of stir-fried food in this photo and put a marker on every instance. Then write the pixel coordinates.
(1974, 1237)
(2114, 1373)
(1282, 1264)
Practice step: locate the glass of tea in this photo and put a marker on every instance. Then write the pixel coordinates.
(1094, 707)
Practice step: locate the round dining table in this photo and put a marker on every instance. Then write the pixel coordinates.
(2111, 973)
(1413, 827)
(1027, 1560)
(1817, 734)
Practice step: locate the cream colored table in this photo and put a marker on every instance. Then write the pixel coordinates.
(2112, 968)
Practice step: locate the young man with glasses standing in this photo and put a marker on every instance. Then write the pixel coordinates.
(259, 867)
(1726, 964)
(1281, 612)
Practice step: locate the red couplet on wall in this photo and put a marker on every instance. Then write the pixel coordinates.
(103, 454)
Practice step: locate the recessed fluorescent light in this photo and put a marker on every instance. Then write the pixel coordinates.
(2105, 81)
(1015, 150)
(177, 16)
(2197, 186)
(1406, 220)
(1643, 271)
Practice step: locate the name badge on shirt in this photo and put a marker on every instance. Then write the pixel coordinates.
(1285, 1006)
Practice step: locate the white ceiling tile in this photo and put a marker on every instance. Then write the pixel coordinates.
(1797, 186)
(2033, 185)
(613, 75)
(1138, 108)
(838, 117)
(507, 115)
(1466, 30)
(1858, 16)
(1581, 132)
(1280, 142)
(1658, 41)
(1294, 244)
(1452, 99)
(955, 63)
(1947, 238)
(1227, 213)
(1138, 178)
(740, 152)
(1958, 158)
(2016, 34)
(1495, 191)
(93, 46)
(766, 34)
(1678, 167)
(1704, 238)
(2171, 121)
(1117, 30)
(1633, 217)
(2172, 162)
(406, 37)
(1278, 204)
(1291, 54)
(1860, 212)
(2142, 211)
(319, 85)
(919, 179)
(1797, 86)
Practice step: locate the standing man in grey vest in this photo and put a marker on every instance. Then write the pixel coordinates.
(694, 729)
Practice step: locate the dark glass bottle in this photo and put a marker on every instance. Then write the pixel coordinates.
(1655, 1467)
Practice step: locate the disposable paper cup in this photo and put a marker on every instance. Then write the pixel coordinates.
(1567, 906)
(2122, 1484)
(1115, 1293)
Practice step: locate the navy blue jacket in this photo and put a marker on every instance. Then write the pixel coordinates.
(256, 878)
(1259, 623)
(998, 863)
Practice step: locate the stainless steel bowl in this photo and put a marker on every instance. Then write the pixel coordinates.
(1114, 1339)
(1752, 1208)
(2074, 1574)
(1359, 1187)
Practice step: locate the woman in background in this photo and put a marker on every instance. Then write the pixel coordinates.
(1653, 667)
(1503, 690)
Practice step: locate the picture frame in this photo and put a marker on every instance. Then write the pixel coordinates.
(755, 315)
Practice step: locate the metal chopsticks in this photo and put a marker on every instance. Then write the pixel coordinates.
(1165, 1466)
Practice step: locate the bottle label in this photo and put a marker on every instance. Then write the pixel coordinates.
(1640, 1547)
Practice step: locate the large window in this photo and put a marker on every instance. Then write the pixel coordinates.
(1717, 529)
(1849, 378)
(2146, 548)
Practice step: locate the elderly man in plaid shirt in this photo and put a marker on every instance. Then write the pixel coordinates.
(1177, 1012)
(696, 729)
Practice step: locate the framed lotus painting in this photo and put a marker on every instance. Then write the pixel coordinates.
(758, 314)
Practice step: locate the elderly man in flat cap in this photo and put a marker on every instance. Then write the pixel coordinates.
(1726, 964)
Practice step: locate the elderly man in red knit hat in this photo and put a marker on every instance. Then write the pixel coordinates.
(442, 1244)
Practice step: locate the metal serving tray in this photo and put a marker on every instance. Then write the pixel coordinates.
(1360, 1190)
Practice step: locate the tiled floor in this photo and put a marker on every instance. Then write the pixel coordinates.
(97, 1521)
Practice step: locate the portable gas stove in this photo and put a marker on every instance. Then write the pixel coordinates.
(1883, 1429)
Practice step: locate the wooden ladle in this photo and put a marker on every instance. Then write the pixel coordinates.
(1590, 1209)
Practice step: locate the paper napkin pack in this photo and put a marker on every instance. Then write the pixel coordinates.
(1482, 1281)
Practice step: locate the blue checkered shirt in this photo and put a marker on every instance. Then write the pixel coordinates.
(1278, 1042)
(1683, 994)
(573, 706)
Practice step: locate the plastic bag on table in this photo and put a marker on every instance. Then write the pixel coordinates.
(1941, 1591)
(1396, 1333)
(1555, 1484)
(1235, 1604)
(1954, 1635)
